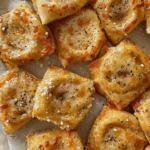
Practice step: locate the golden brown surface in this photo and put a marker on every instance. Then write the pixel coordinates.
(119, 17)
(147, 13)
(17, 90)
(116, 130)
(122, 74)
(78, 37)
(147, 147)
(56, 9)
(22, 36)
(63, 98)
(54, 140)
(142, 112)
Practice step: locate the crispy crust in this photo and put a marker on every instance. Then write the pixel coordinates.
(115, 130)
(119, 17)
(122, 74)
(54, 9)
(78, 37)
(63, 98)
(147, 12)
(17, 90)
(54, 139)
(142, 112)
(147, 147)
(22, 37)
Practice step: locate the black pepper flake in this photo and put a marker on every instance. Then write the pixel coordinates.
(132, 74)
(122, 66)
(108, 77)
(85, 32)
(118, 82)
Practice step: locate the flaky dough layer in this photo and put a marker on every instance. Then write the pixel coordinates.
(56, 9)
(17, 90)
(122, 74)
(115, 130)
(142, 108)
(78, 37)
(147, 13)
(119, 17)
(22, 36)
(63, 98)
(54, 139)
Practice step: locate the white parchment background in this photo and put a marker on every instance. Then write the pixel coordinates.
(17, 140)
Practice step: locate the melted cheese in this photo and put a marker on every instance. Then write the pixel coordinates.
(116, 130)
(78, 37)
(63, 98)
(122, 74)
(54, 139)
(17, 90)
(119, 17)
(22, 37)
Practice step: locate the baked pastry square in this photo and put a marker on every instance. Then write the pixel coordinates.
(63, 98)
(142, 110)
(17, 90)
(122, 74)
(115, 130)
(56, 9)
(147, 13)
(119, 17)
(22, 37)
(78, 37)
(54, 139)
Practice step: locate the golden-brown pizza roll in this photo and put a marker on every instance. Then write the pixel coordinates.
(147, 147)
(122, 74)
(78, 37)
(142, 111)
(54, 139)
(116, 130)
(119, 17)
(54, 9)
(147, 13)
(63, 98)
(17, 90)
(22, 37)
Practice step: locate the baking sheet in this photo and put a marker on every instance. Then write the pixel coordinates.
(17, 140)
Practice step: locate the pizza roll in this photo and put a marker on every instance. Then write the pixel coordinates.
(54, 9)
(122, 74)
(147, 12)
(54, 139)
(17, 90)
(116, 130)
(78, 37)
(147, 147)
(22, 37)
(142, 111)
(119, 17)
(63, 98)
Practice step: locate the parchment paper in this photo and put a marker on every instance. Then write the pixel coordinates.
(17, 140)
